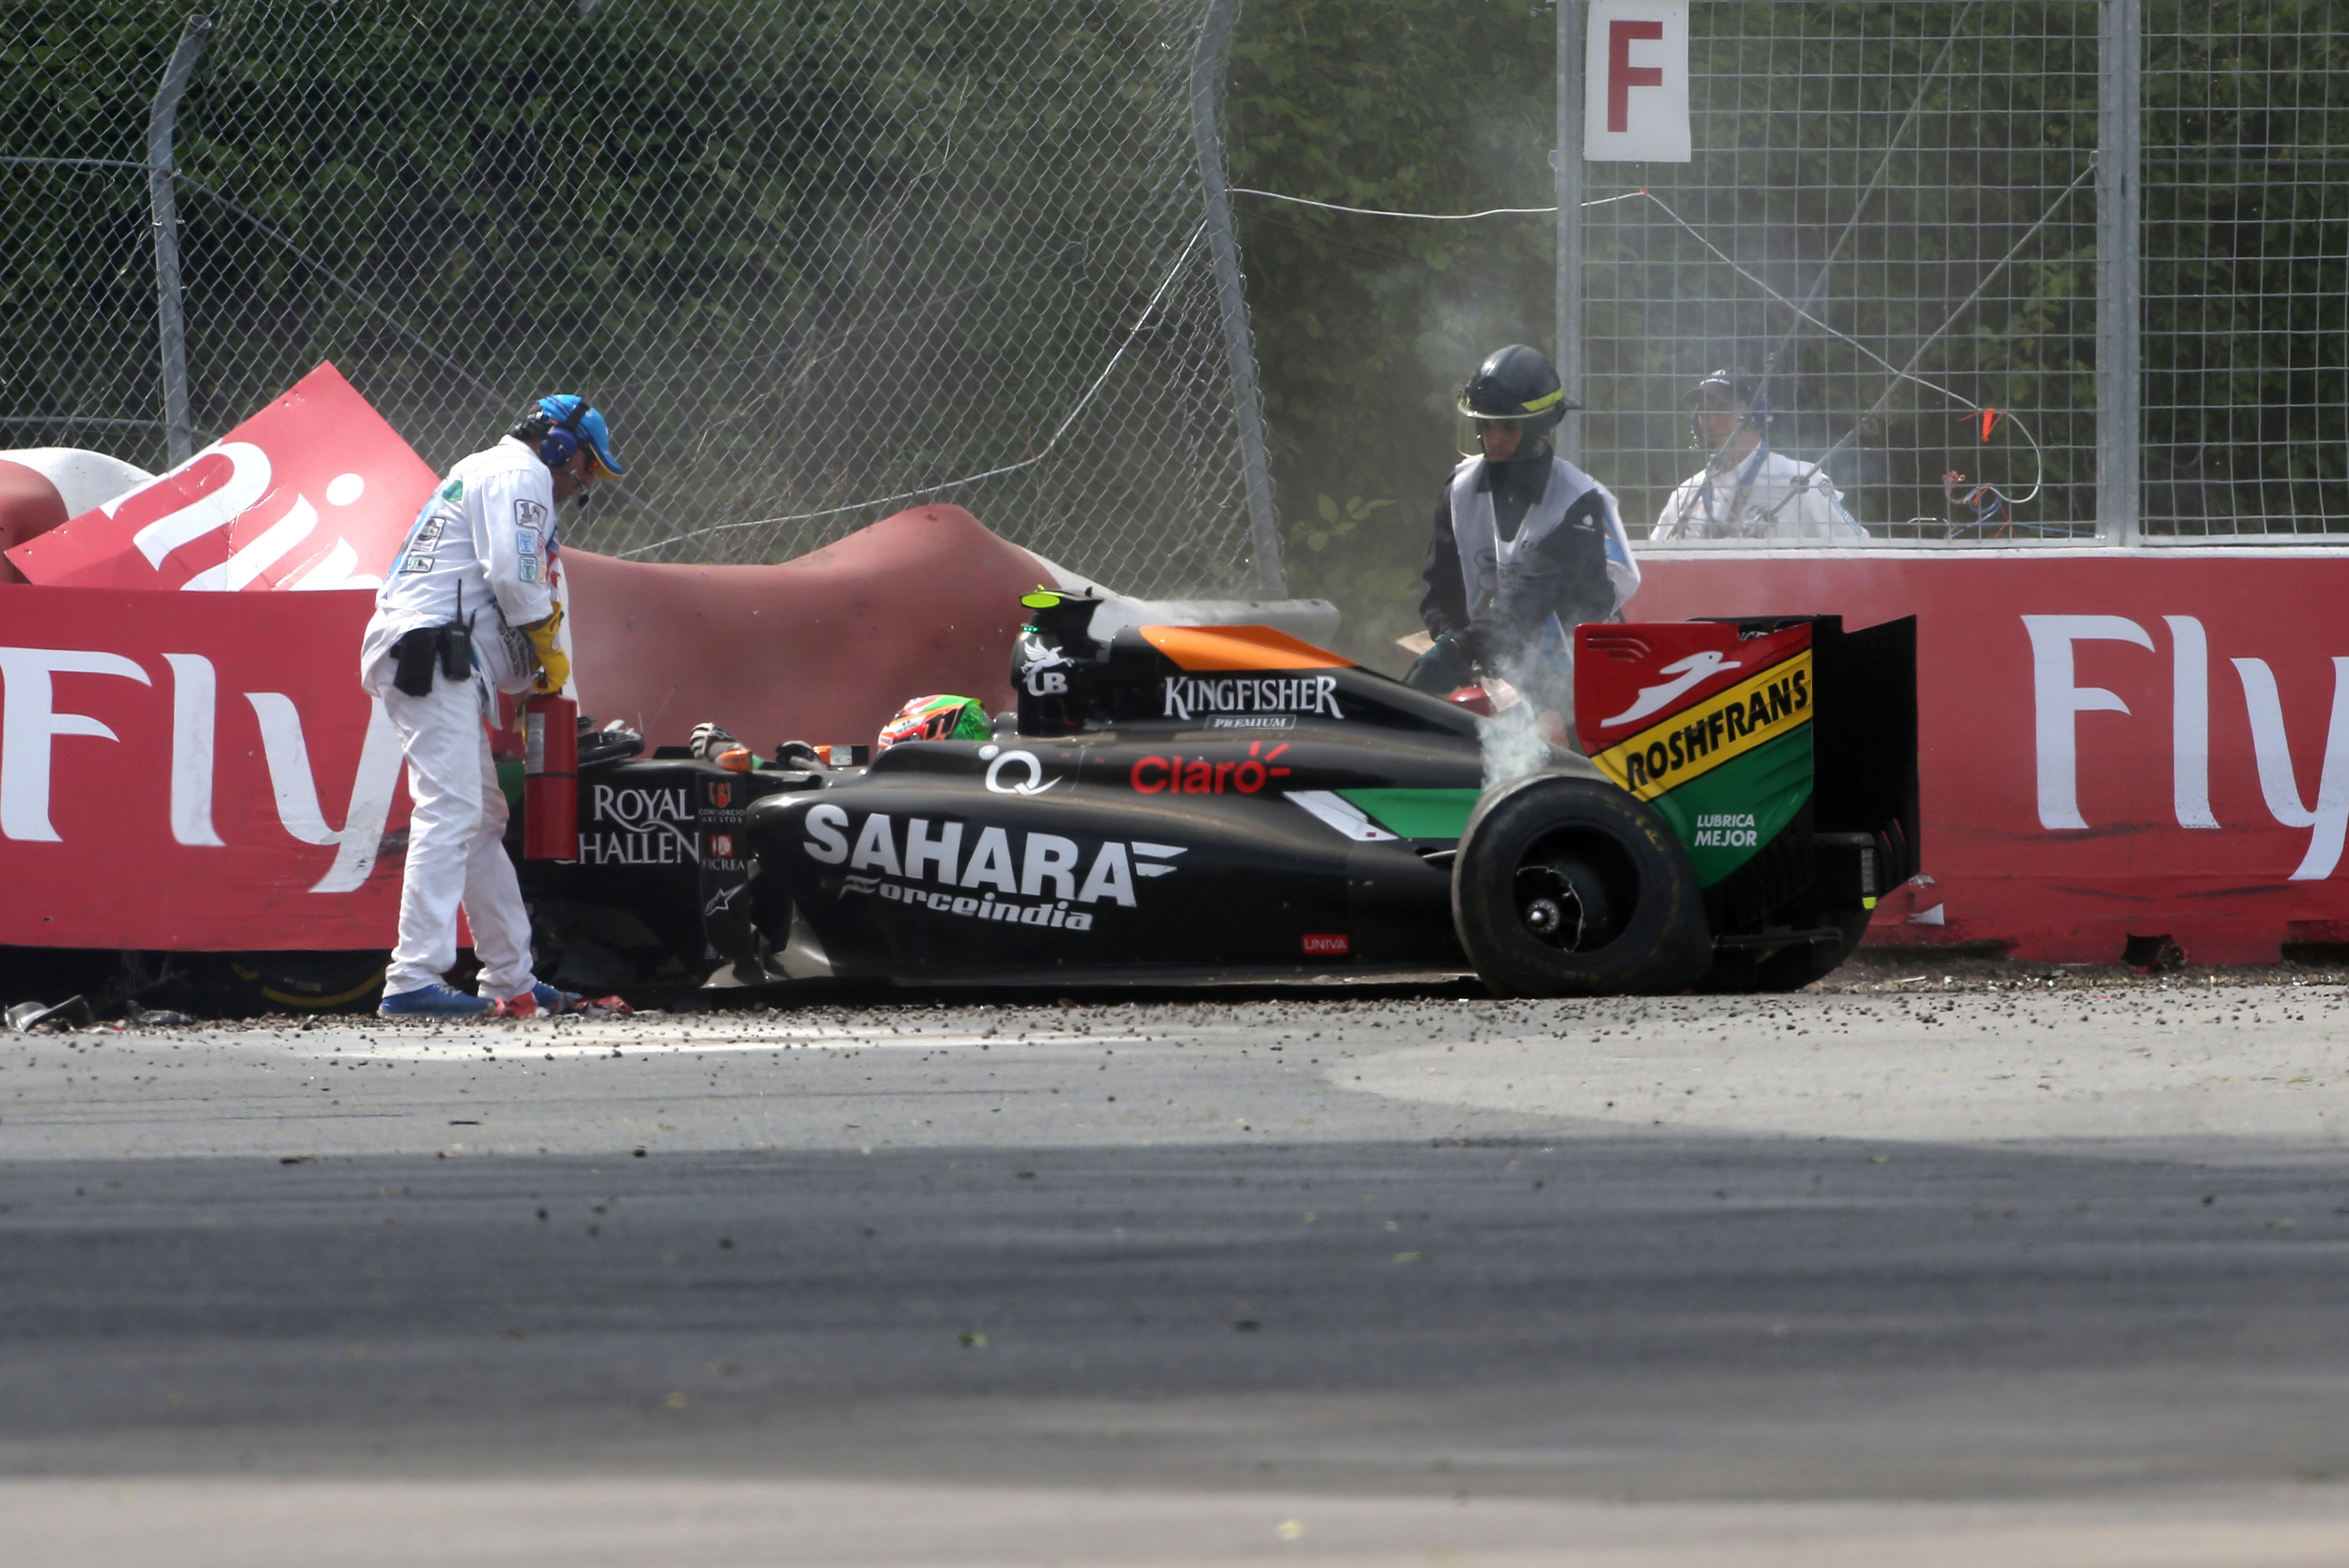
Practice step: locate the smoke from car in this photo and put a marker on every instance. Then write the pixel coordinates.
(1533, 703)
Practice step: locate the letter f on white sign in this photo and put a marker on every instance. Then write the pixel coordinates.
(2059, 702)
(1636, 82)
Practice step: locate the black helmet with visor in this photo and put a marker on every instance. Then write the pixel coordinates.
(1519, 384)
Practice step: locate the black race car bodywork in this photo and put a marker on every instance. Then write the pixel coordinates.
(1125, 853)
(1209, 803)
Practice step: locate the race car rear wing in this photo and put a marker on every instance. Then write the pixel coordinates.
(1782, 751)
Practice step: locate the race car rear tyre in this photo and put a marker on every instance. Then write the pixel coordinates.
(1566, 886)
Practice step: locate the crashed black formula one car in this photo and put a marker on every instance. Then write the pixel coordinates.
(1193, 803)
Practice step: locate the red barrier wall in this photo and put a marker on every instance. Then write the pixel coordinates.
(311, 492)
(177, 772)
(2110, 742)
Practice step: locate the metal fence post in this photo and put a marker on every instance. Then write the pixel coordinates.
(172, 326)
(1207, 83)
(2119, 205)
(1567, 159)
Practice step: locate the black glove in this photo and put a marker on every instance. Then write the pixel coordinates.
(1447, 665)
(709, 740)
(1474, 643)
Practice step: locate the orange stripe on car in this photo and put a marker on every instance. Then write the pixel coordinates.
(1197, 647)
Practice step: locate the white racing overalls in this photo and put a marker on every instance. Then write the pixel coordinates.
(482, 550)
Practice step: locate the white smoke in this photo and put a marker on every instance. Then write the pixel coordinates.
(1514, 744)
(1530, 701)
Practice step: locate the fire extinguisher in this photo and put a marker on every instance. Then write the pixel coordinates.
(549, 784)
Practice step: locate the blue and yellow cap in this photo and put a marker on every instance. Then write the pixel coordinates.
(564, 409)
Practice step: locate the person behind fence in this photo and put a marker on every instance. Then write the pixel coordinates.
(1524, 545)
(469, 609)
(1746, 491)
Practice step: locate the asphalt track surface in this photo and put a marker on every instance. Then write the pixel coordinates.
(2039, 1274)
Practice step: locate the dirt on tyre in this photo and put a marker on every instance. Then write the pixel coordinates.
(1566, 886)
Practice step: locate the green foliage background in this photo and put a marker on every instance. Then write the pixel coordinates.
(2246, 245)
(807, 255)
(1366, 327)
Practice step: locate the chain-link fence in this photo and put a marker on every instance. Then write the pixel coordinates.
(1879, 192)
(1891, 219)
(2246, 261)
(816, 262)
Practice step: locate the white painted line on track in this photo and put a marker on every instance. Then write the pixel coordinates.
(538, 1044)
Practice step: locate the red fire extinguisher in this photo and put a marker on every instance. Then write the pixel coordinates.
(549, 784)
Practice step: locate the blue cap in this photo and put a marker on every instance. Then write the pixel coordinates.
(590, 427)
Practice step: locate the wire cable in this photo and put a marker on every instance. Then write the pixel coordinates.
(1906, 372)
(268, 230)
(81, 162)
(1800, 311)
(2038, 458)
(1851, 223)
(327, 273)
(1141, 322)
(1419, 217)
(1324, 237)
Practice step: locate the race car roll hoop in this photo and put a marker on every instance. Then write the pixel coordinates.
(1184, 803)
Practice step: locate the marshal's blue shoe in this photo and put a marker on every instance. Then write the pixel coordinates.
(432, 1002)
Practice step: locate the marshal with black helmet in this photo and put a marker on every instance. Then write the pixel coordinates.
(1175, 803)
(1523, 545)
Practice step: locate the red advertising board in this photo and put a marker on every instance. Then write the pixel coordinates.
(313, 492)
(175, 777)
(2110, 742)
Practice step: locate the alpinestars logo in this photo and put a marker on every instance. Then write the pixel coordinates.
(1252, 694)
(1694, 671)
(1043, 867)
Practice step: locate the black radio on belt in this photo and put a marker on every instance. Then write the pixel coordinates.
(450, 645)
